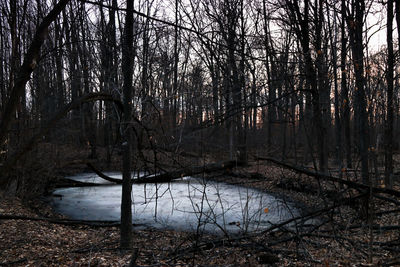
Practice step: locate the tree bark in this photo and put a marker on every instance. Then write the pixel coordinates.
(344, 89)
(398, 19)
(271, 88)
(127, 68)
(338, 123)
(323, 90)
(390, 109)
(355, 24)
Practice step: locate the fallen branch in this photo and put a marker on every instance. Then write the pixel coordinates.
(333, 179)
(10, 263)
(63, 221)
(248, 175)
(169, 176)
(385, 212)
(302, 218)
(394, 201)
(102, 175)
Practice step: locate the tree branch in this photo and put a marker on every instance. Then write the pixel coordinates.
(59, 115)
(322, 176)
(30, 62)
(169, 176)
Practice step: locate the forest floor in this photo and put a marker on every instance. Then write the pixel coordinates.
(343, 238)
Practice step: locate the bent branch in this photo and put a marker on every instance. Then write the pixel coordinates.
(59, 115)
(169, 176)
(30, 62)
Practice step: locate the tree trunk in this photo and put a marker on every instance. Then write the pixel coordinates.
(323, 116)
(344, 89)
(2, 63)
(271, 88)
(127, 68)
(89, 127)
(398, 19)
(355, 26)
(390, 109)
(59, 68)
(338, 123)
(175, 82)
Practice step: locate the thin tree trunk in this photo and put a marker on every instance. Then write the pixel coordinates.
(242, 135)
(271, 88)
(338, 123)
(88, 126)
(398, 19)
(2, 65)
(344, 88)
(356, 40)
(176, 62)
(59, 68)
(14, 43)
(390, 109)
(127, 67)
(323, 90)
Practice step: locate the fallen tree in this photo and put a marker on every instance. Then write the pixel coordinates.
(92, 223)
(326, 177)
(169, 176)
(65, 182)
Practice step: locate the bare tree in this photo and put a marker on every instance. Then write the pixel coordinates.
(301, 24)
(355, 23)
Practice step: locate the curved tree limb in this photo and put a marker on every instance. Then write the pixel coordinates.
(169, 176)
(59, 115)
(30, 62)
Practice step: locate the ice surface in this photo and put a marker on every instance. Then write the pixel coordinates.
(188, 204)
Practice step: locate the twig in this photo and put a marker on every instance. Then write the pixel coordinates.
(9, 263)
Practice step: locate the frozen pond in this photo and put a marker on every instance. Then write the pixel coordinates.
(188, 204)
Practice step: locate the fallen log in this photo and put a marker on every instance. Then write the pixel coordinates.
(91, 223)
(323, 176)
(169, 176)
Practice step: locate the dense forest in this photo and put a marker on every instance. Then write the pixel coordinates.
(311, 85)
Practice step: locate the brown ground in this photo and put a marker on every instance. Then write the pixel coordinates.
(41, 243)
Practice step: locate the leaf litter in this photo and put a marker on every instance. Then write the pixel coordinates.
(344, 240)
